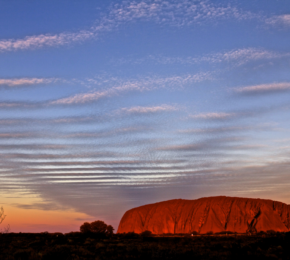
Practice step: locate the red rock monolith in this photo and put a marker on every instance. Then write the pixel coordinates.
(203, 215)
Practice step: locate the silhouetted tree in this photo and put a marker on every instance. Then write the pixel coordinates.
(110, 230)
(85, 228)
(98, 227)
(2, 216)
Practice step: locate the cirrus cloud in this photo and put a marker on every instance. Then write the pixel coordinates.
(264, 88)
(145, 84)
(147, 110)
(214, 116)
(283, 19)
(173, 13)
(16, 82)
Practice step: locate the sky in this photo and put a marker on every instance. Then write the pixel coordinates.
(110, 105)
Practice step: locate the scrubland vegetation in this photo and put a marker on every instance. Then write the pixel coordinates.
(93, 245)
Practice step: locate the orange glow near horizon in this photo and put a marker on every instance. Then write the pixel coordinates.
(39, 220)
(33, 220)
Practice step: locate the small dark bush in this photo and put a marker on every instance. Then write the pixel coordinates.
(271, 232)
(131, 235)
(146, 233)
(97, 227)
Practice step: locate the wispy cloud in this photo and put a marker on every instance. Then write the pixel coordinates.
(149, 110)
(145, 84)
(241, 56)
(44, 40)
(177, 13)
(207, 144)
(32, 146)
(214, 130)
(16, 82)
(174, 13)
(106, 133)
(214, 116)
(264, 88)
(236, 57)
(283, 20)
(16, 135)
(16, 105)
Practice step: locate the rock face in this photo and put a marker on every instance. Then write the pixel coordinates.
(203, 215)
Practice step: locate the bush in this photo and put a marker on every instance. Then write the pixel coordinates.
(97, 227)
(225, 233)
(146, 233)
(131, 235)
(271, 232)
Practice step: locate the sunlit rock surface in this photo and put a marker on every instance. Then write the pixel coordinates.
(203, 215)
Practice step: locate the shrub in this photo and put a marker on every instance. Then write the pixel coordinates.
(131, 235)
(146, 233)
(97, 227)
(271, 232)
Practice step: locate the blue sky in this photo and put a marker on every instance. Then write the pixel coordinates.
(105, 106)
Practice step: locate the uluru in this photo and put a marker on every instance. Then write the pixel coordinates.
(211, 214)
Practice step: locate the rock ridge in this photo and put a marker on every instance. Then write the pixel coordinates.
(203, 215)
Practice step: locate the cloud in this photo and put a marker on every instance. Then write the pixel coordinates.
(215, 130)
(241, 56)
(33, 147)
(230, 129)
(145, 84)
(140, 85)
(263, 88)
(41, 206)
(148, 110)
(50, 156)
(58, 120)
(283, 20)
(235, 57)
(26, 81)
(174, 13)
(106, 133)
(107, 163)
(17, 135)
(12, 105)
(214, 116)
(209, 145)
(44, 40)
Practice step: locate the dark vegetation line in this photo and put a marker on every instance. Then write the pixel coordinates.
(96, 240)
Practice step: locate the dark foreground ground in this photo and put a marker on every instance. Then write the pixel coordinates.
(82, 246)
